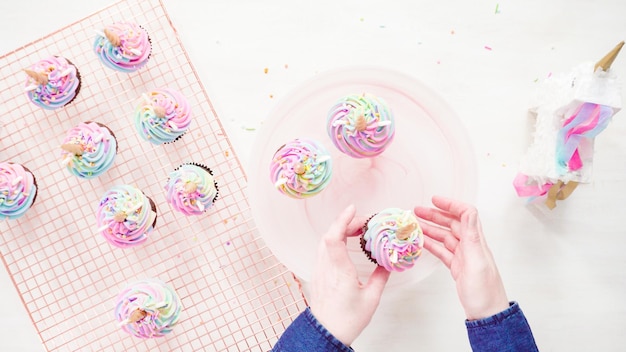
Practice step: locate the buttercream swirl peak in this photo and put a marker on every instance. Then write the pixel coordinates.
(393, 239)
(52, 82)
(17, 190)
(147, 308)
(301, 168)
(88, 150)
(162, 116)
(123, 46)
(126, 216)
(360, 125)
(191, 189)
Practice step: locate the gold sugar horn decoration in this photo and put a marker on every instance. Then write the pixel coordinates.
(405, 231)
(606, 62)
(112, 37)
(299, 168)
(361, 123)
(190, 187)
(137, 315)
(159, 111)
(120, 216)
(39, 77)
(75, 149)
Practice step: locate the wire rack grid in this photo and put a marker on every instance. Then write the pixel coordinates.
(236, 295)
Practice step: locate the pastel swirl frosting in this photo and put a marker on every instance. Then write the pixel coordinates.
(125, 216)
(123, 46)
(393, 239)
(89, 150)
(360, 126)
(191, 189)
(147, 308)
(52, 83)
(301, 168)
(17, 190)
(163, 116)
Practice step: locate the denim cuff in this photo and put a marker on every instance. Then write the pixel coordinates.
(505, 331)
(496, 318)
(306, 333)
(332, 340)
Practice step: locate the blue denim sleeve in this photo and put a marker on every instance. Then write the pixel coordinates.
(307, 334)
(507, 331)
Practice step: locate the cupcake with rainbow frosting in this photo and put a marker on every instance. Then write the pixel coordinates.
(147, 309)
(191, 189)
(162, 116)
(18, 190)
(123, 46)
(52, 83)
(301, 168)
(393, 239)
(126, 216)
(360, 126)
(89, 149)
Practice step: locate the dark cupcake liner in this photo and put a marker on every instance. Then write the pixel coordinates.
(151, 47)
(362, 241)
(154, 209)
(177, 138)
(78, 77)
(34, 183)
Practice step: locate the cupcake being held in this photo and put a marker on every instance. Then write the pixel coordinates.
(393, 239)
(52, 83)
(360, 126)
(89, 149)
(301, 168)
(126, 216)
(162, 116)
(18, 190)
(191, 189)
(147, 308)
(123, 46)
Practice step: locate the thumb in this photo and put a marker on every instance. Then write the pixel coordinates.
(377, 282)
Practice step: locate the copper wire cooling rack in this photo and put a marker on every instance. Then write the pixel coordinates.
(236, 295)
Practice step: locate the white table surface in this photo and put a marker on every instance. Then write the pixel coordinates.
(566, 267)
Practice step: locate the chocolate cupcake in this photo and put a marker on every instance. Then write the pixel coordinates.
(18, 190)
(393, 239)
(89, 149)
(52, 83)
(123, 46)
(191, 189)
(126, 216)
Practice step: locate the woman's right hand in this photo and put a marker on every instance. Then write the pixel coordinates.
(454, 235)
